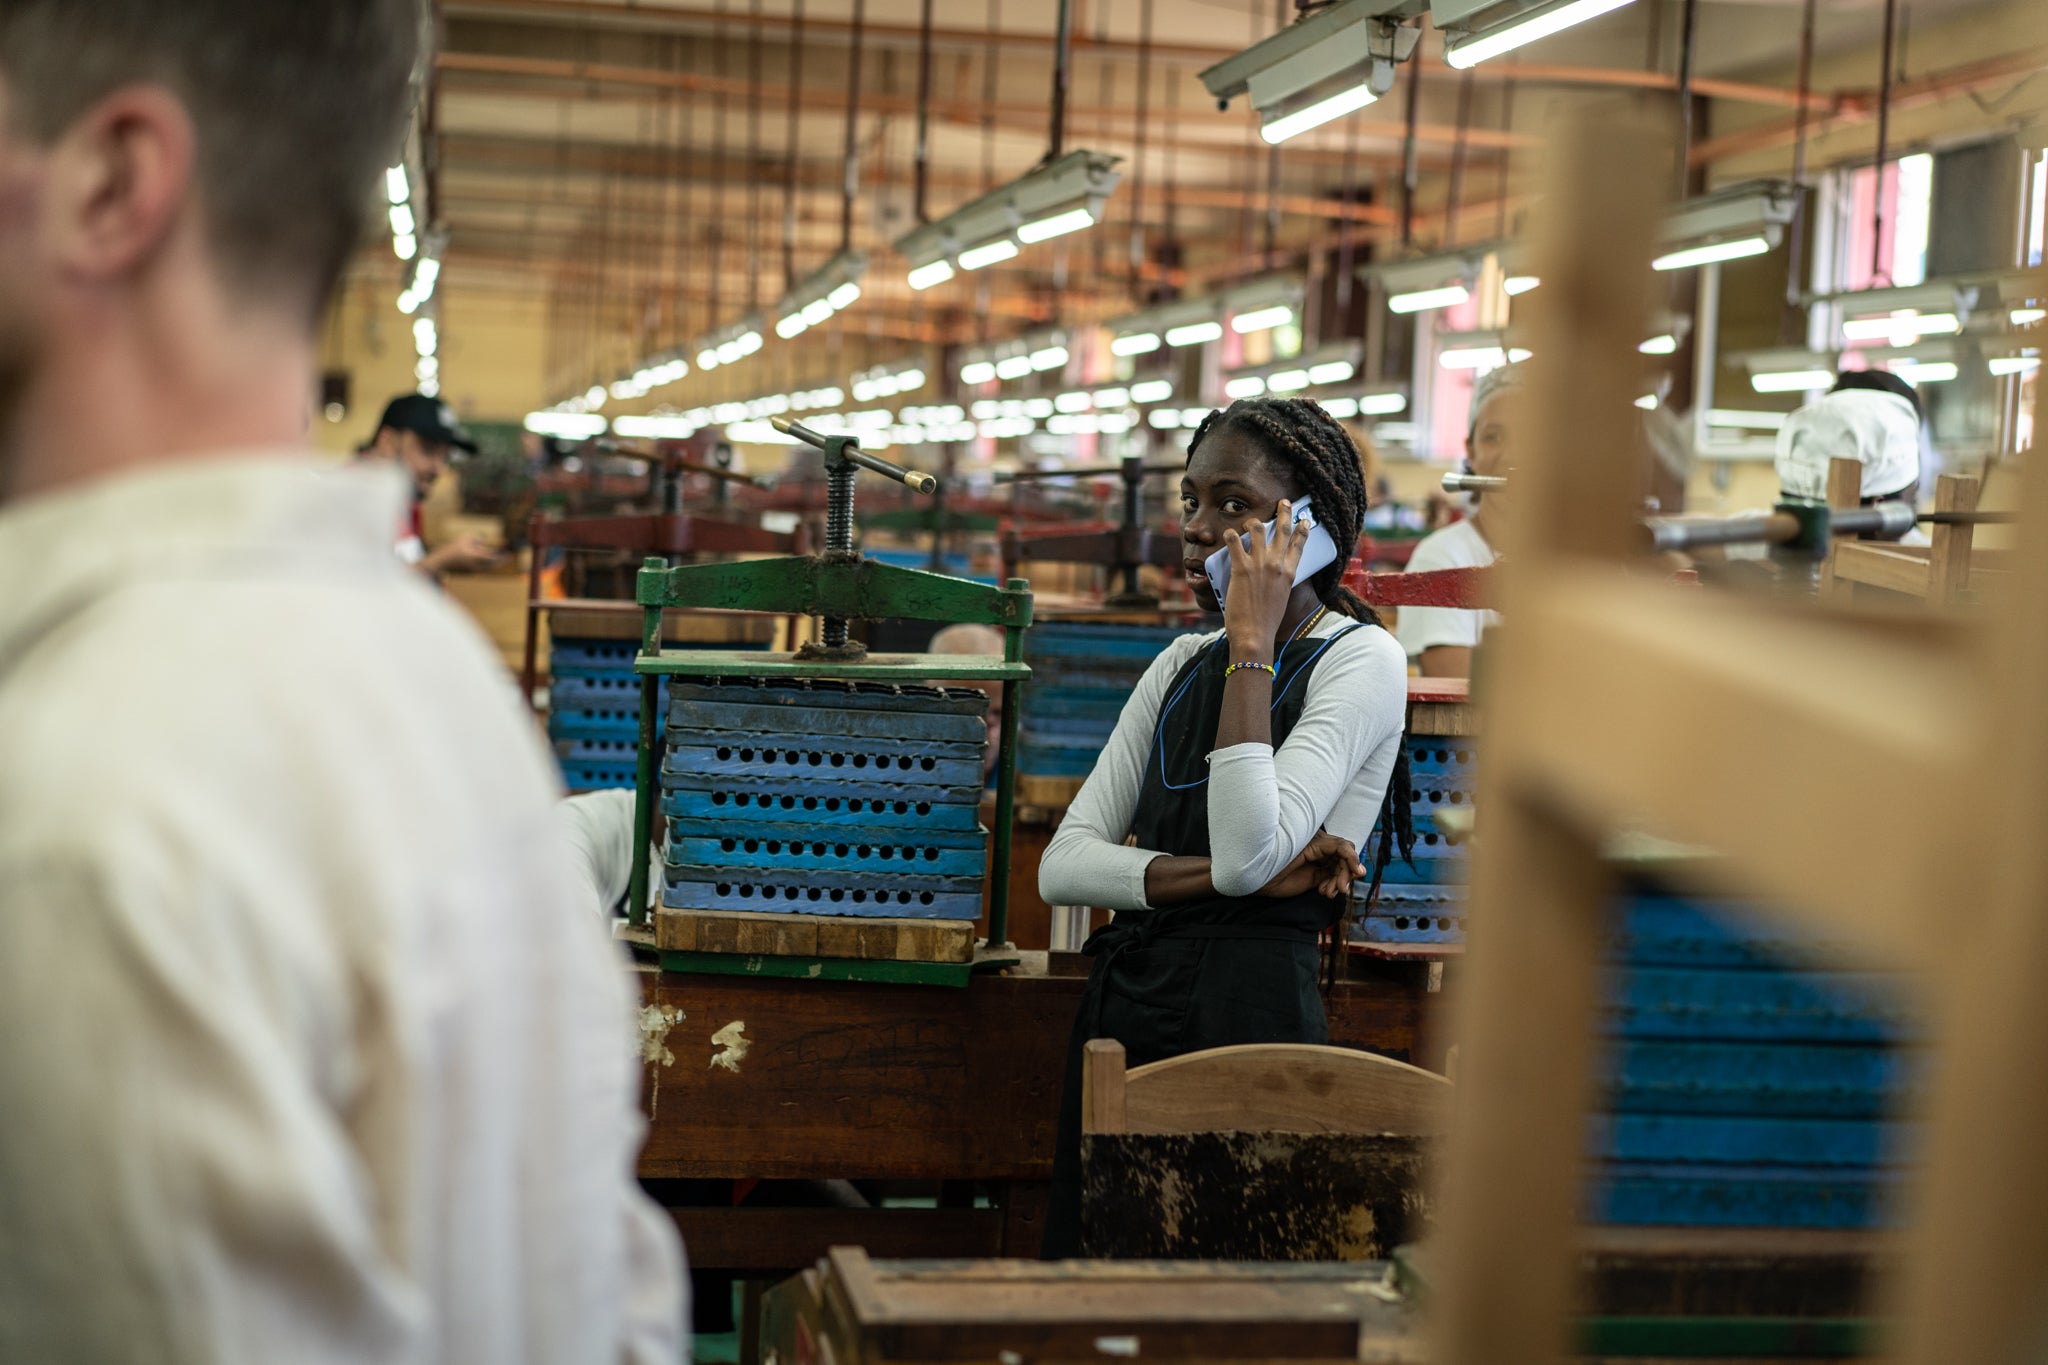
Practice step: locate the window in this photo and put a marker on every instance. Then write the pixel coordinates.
(2034, 231)
(1907, 200)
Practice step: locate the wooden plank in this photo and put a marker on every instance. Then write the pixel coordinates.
(786, 1240)
(1443, 718)
(860, 1080)
(1845, 490)
(1056, 793)
(1511, 1191)
(800, 935)
(1949, 557)
(1102, 1087)
(1880, 566)
(1758, 769)
(1285, 1087)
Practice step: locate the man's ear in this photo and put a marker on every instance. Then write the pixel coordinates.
(121, 179)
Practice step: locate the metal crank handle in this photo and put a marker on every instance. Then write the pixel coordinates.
(914, 479)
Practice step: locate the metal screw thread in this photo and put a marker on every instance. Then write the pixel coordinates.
(838, 539)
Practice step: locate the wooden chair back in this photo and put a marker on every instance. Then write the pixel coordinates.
(1261, 1087)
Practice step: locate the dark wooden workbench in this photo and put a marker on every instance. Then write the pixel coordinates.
(857, 1081)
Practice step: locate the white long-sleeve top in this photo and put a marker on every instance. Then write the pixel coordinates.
(1264, 805)
(312, 1048)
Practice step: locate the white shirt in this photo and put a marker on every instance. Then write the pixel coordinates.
(1330, 773)
(311, 1049)
(1457, 546)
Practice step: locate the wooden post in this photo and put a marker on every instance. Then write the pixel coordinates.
(1102, 1087)
(1949, 564)
(1539, 889)
(1845, 490)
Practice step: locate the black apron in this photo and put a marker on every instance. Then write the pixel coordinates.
(1211, 973)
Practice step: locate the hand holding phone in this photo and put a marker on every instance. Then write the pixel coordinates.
(1317, 555)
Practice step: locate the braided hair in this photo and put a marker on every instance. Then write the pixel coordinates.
(1297, 433)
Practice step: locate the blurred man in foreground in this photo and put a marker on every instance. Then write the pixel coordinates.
(306, 1053)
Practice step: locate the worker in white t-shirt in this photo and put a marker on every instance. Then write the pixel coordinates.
(1869, 416)
(1440, 640)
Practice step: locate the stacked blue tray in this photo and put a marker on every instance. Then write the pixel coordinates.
(594, 709)
(1081, 676)
(824, 798)
(1744, 1084)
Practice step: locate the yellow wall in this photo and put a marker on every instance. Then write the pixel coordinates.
(491, 349)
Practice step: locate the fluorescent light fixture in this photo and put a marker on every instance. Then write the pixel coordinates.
(1152, 391)
(654, 428)
(730, 353)
(1382, 404)
(1287, 381)
(404, 245)
(401, 221)
(1055, 225)
(1667, 344)
(409, 303)
(1072, 402)
(1244, 386)
(1193, 417)
(425, 273)
(1137, 343)
(427, 367)
(1791, 381)
(817, 312)
(2027, 317)
(1423, 300)
(1517, 285)
(1713, 253)
(1163, 419)
(396, 188)
(707, 359)
(1262, 319)
(1518, 354)
(1114, 423)
(1325, 65)
(791, 327)
(1194, 334)
(430, 388)
(1745, 419)
(844, 295)
(566, 426)
(1343, 409)
(1331, 372)
(1013, 367)
(424, 337)
(1112, 398)
(1928, 372)
(934, 272)
(1049, 357)
(1475, 45)
(1473, 358)
(1648, 402)
(987, 254)
(2015, 364)
(1901, 328)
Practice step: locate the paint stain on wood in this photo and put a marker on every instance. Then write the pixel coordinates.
(1253, 1196)
(655, 1022)
(732, 1044)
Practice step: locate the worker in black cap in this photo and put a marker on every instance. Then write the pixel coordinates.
(420, 433)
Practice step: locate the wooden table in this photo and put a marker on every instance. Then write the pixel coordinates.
(756, 1079)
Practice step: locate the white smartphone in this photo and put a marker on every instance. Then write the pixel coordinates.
(1317, 555)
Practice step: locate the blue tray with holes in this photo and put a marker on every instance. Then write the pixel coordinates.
(603, 751)
(755, 844)
(810, 786)
(1056, 640)
(1792, 1080)
(829, 763)
(835, 810)
(1058, 729)
(620, 693)
(594, 724)
(819, 893)
(1038, 761)
(581, 776)
(832, 695)
(1051, 703)
(1709, 1194)
(954, 718)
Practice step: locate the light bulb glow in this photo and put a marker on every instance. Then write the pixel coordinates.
(790, 326)
(565, 426)
(409, 303)
(1152, 391)
(1933, 372)
(594, 396)
(1287, 381)
(1382, 404)
(1112, 398)
(1647, 402)
(2027, 317)
(1469, 52)
(1137, 343)
(1331, 372)
(1050, 358)
(1515, 285)
(977, 372)
(1163, 419)
(987, 254)
(816, 312)
(707, 359)
(1244, 386)
(1660, 345)
(2015, 364)
(1260, 319)
(1343, 409)
(401, 221)
(1316, 115)
(396, 188)
(1745, 419)
(1791, 381)
(1013, 367)
(1423, 300)
(1713, 254)
(843, 296)
(1194, 334)
(404, 247)
(1473, 358)
(1057, 225)
(1072, 402)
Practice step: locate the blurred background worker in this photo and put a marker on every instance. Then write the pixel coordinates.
(308, 1052)
(1871, 417)
(971, 639)
(1439, 640)
(420, 435)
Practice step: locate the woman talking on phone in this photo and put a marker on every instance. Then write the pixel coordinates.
(1223, 820)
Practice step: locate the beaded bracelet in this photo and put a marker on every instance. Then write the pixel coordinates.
(1251, 663)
